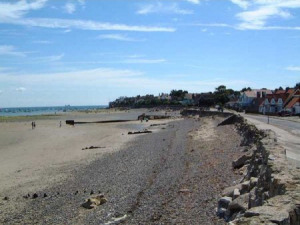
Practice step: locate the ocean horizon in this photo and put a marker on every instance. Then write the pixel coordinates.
(46, 110)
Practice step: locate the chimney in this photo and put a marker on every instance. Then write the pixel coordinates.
(258, 94)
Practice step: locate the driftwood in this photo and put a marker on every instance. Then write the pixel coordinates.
(159, 124)
(92, 147)
(140, 132)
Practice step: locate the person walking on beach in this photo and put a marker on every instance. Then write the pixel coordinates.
(32, 126)
(59, 123)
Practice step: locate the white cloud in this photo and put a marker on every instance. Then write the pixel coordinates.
(81, 2)
(257, 19)
(263, 11)
(162, 8)
(19, 9)
(114, 78)
(117, 37)
(86, 25)
(260, 13)
(241, 3)
(52, 58)
(43, 42)
(293, 68)
(20, 89)
(14, 13)
(144, 61)
(67, 31)
(10, 50)
(70, 8)
(194, 1)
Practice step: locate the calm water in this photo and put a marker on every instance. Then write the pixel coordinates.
(31, 111)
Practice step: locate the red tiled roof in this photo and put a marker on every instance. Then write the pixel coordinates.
(283, 96)
(280, 92)
(293, 102)
(291, 91)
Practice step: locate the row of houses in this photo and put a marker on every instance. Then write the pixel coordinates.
(268, 102)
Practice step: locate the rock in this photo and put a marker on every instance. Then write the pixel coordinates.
(6, 198)
(35, 195)
(45, 195)
(253, 182)
(224, 202)
(26, 196)
(221, 212)
(240, 162)
(94, 201)
(92, 192)
(229, 191)
(236, 193)
(274, 214)
(239, 204)
(245, 187)
(76, 192)
(184, 190)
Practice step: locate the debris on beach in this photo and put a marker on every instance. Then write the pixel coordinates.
(158, 124)
(35, 195)
(26, 196)
(92, 147)
(140, 132)
(92, 202)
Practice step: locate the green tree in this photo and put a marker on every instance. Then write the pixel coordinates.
(246, 89)
(178, 94)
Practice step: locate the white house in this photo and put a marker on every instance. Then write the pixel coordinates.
(247, 97)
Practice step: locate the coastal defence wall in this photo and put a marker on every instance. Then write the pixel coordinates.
(193, 112)
(269, 192)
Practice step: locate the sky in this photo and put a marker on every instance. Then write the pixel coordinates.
(90, 52)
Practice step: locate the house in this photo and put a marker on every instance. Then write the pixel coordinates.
(293, 101)
(273, 103)
(164, 96)
(294, 106)
(188, 99)
(246, 98)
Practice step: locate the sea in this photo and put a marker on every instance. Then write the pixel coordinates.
(48, 110)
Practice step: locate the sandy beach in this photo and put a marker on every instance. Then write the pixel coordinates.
(29, 154)
(171, 176)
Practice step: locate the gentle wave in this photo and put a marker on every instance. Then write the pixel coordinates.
(50, 110)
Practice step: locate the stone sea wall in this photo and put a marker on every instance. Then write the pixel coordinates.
(269, 192)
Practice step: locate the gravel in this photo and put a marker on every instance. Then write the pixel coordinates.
(164, 177)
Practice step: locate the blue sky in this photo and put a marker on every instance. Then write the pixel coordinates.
(88, 52)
